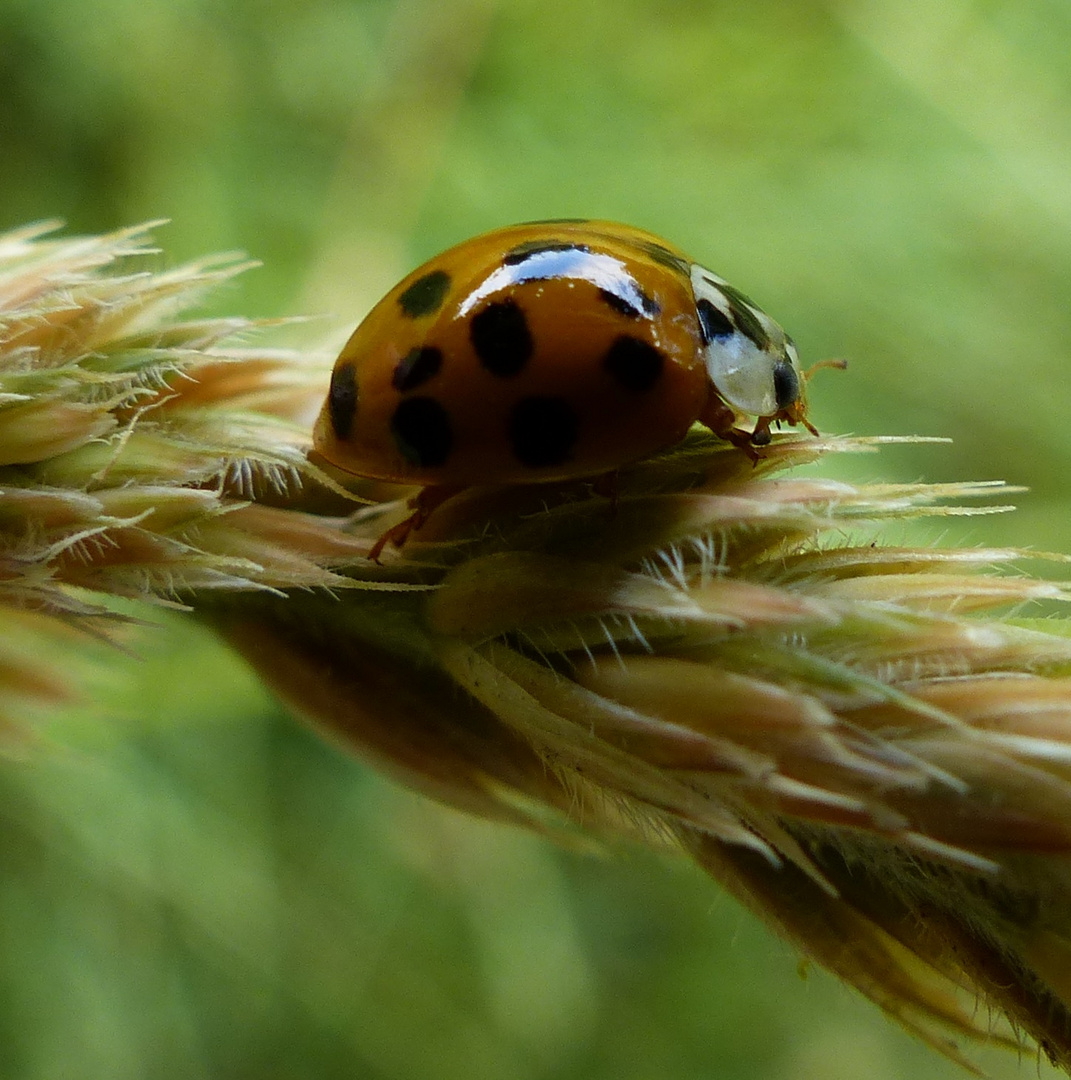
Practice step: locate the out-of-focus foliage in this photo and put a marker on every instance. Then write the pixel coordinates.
(191, 886)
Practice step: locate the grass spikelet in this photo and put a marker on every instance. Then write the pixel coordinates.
(853, 738)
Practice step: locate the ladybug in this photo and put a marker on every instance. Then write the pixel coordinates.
(553, 350)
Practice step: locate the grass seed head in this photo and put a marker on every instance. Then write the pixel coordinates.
(849, 735)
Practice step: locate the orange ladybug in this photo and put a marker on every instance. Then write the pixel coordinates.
(551, 351)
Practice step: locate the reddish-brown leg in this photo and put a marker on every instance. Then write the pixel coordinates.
(761, 435)
(722, 420)
(422, 505)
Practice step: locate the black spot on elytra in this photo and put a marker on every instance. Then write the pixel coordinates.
(634, 363)
(619, 304)
(713, 322)
(416, 367)
(786, 384)
(425, 295)
(542, 431)
(530, 248)
(633, 304)
(500, 335)
(342, 400)
(422, 431)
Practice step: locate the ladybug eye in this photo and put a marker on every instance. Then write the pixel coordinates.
(786, 384)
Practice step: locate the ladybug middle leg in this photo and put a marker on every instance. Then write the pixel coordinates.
(422, 504)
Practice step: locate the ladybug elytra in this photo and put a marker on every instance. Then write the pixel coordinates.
(551, 351)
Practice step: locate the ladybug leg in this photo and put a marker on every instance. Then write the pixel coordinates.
(396, 535)
(761, 435)
(422, 504)
(721, 419)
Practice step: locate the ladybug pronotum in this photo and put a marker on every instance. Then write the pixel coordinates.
(551, 351)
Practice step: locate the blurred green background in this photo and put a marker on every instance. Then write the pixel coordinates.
(193, 886)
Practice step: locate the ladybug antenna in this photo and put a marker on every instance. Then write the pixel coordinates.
(809, 374)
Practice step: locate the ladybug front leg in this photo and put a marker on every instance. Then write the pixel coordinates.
(761, 435)
(422, 504)
(721, 419)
